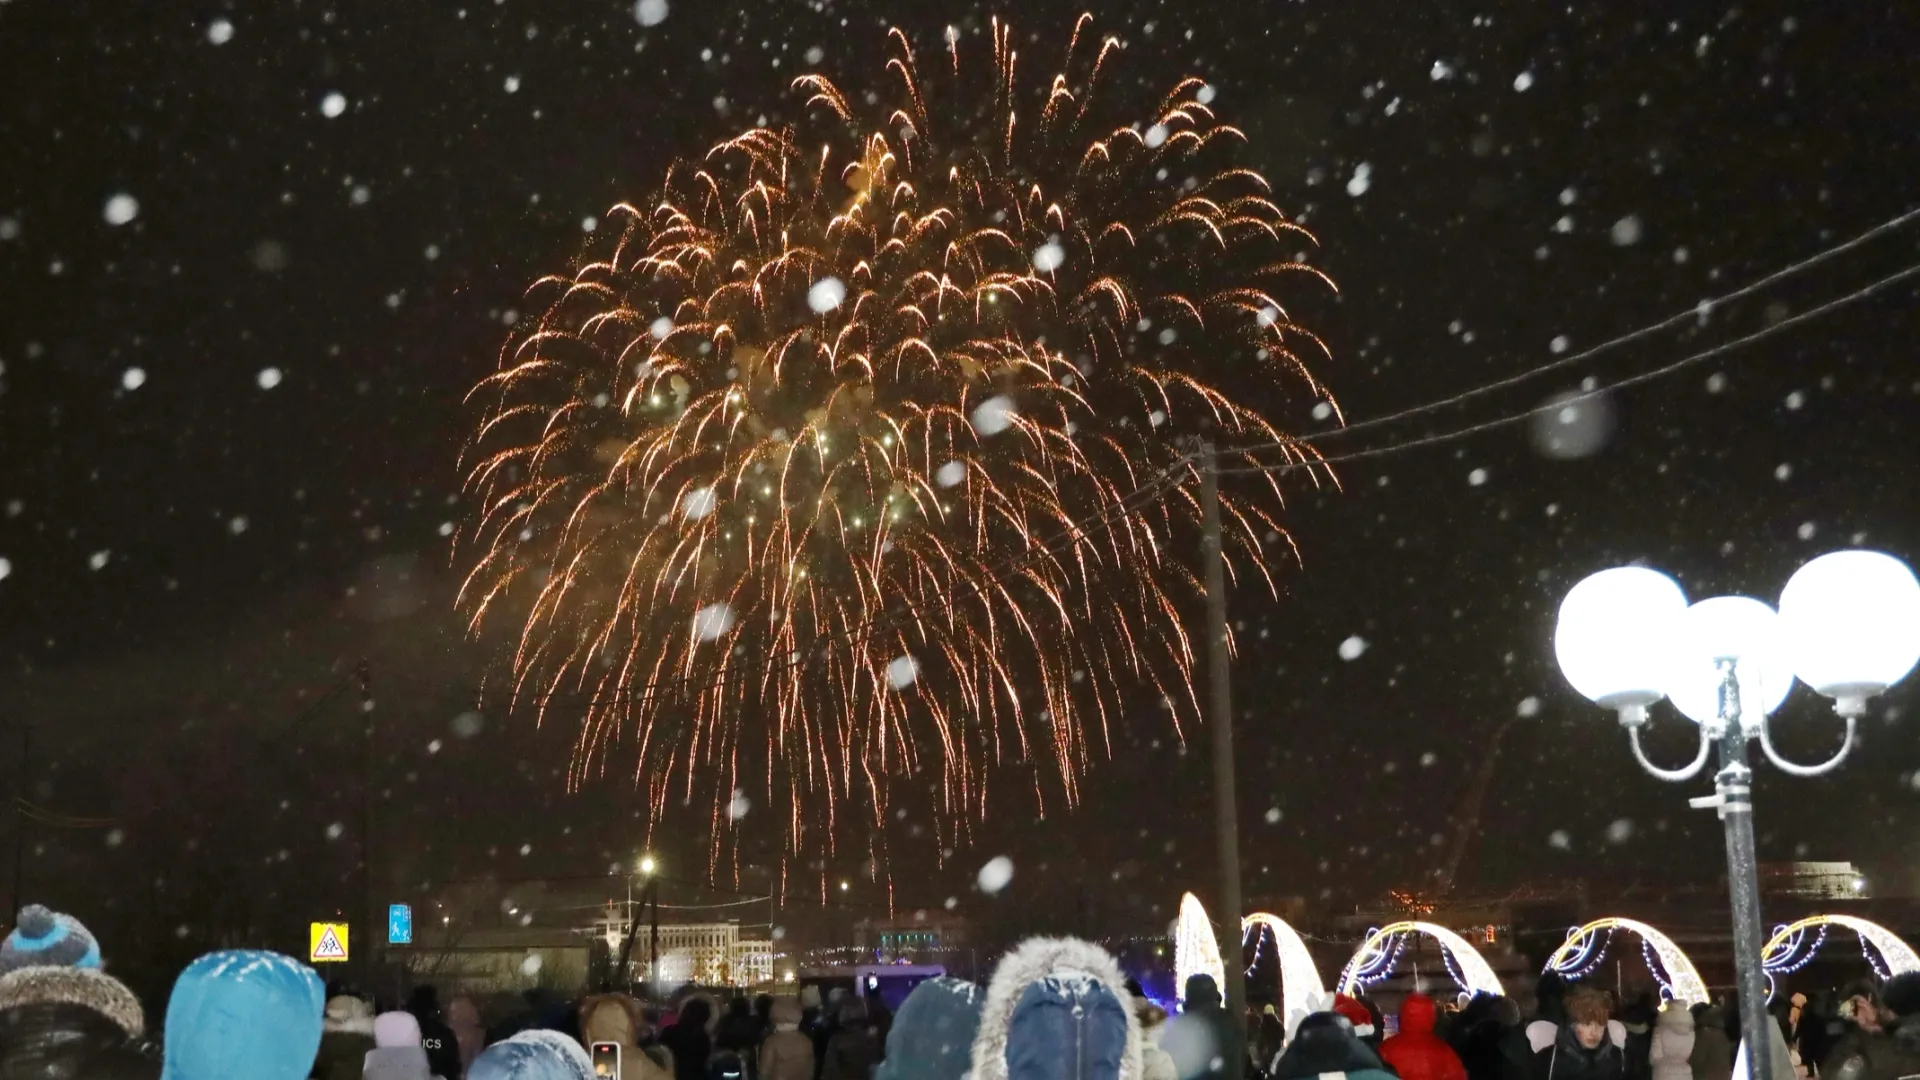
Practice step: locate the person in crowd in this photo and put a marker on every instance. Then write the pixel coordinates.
(1057, 1008)
(243, 1014)
(1269, 1037)
(1416, 1053)
(1712, 1056)
(1820, 1028)
(1638, 1019)
(60, 1014)
(688, 1040)
(825, 1024)
(1892, 1049)
(616, 1018)
(469, 1031)
(1155, 1063)
(1549, 1012)
(436, 1036)
(534, 1054)
(1203, 1033)
(1360, 1015)
(647, 1035)
(398, 1052)
(346, 1034)
(739, 1030)
(1671, 1050)
(1481, 1041)
(932, 1036)
(786, 1053)
(879, 1017)
(1583, 1048)
(855, 1048)
(1325, 1045)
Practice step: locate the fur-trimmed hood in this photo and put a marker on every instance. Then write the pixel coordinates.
(1071, 962)
(86, 987)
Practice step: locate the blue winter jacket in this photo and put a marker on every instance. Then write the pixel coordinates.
(932, 1035)
(243, 1014)
(1057, 1009)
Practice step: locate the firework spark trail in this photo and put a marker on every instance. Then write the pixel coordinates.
(862, 382)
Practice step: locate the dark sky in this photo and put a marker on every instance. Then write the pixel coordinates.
(244, 405)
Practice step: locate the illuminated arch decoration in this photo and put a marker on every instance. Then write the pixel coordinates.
(1587, 945)
(1300, 984)
(1377, 956)
(1195, 950)
(1790, 949)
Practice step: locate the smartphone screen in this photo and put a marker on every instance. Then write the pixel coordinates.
(606, 1059)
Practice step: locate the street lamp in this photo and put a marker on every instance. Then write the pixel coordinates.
(1848, 626)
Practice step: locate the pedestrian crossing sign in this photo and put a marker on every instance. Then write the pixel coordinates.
(327, 943)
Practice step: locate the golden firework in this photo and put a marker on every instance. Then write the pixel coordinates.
(826, 471)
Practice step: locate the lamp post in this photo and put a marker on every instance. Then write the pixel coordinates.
(1848, 625)
(649, 897)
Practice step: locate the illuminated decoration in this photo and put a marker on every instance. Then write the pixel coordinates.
(1377, 956)
(1195, 950)
(1584, 949)
(1789, 949)
(1300, 983)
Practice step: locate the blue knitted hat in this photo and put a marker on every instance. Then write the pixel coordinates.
(45, 938)
(243, 1014)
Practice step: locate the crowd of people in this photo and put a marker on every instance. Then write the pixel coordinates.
(1054, 1009)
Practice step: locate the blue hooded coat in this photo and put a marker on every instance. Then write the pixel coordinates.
(241, 1013)
(533, 1055)
(1057, 1009)
(933, 1033)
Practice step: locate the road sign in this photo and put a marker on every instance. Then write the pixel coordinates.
(399, 924)
(327, 943)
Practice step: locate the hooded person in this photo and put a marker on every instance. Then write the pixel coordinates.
(1416, 1053)
(1583, 1047)
(1155, 1063)
(71, 1021)
(43, 938)
(855, 1047)
(1203, 1037)
(436, 1035)
(1325, 1044)
(346, 1034)
(933, 1033)
(469, 1031)
(397, 1053)
(536, 1054)
(243, 1014)
(689, 1041)
(1057, 1009)
(1672, 1044)
(787, 1052)
(1712, 1056)
(615, 1018)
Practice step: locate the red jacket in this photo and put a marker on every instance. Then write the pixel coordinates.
(1417, 1053)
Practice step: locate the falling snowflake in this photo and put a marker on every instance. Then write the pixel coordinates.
(1048, 257)
(1156, 135)
(1716, 382)
(738, 806)
(996, 874)
(1626, 231)
(1559, 840)
(1523, 82)
(1620, 831)
(1796, 399)
(902, 671)
(334, 830)
(1361, 181)
(1353, 647)
(1529, 707)
(237, 525)
(1441, 70)
(950, 474)
(698, 503)
(98, 560)
(133, 378)
(268, 378)
(712, 621)
(530, 967)
(1558, 344)
(6, 568)
(1477, 477)
(1806, 530)
(219, 31)
(120, 209)
(1783, 472)
(826, 294)
(650, 12)
(994, 415)
(512, 85)
(468, 724)
(333, 105)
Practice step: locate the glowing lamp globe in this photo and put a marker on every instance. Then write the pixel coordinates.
(1853, 624)
(1737, 628)
(1609, 639)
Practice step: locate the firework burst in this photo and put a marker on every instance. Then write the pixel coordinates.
(789, 488)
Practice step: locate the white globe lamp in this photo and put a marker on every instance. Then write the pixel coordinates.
(1737, 628)
(1611, 635)
(1852, 621)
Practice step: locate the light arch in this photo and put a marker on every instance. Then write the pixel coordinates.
(1195, 949)
(1784, 951)
(1300, 985)
(1679, 979)
(1382, 947)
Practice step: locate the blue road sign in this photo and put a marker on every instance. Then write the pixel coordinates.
(399, 924)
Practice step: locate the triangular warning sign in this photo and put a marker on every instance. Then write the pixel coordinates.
(329, 947)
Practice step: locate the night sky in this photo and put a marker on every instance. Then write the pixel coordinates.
(229, 423)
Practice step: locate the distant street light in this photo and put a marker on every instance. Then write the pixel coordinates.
(1848, 626)
(647, 865)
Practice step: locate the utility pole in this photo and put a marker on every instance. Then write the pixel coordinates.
(363, 675)
(1226, 818)
(20, 819)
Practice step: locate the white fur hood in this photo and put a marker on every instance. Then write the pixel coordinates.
(1035, 959)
